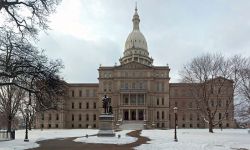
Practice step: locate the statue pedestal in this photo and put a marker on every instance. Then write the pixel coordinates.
(106, 125)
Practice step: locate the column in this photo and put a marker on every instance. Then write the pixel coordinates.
(129, 115)
(136, 100)
(144, 100)
(136, 114)
(144, 114)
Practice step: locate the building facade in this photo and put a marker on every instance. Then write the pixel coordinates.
(139, 92)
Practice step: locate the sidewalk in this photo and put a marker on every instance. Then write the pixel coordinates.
(69, 144)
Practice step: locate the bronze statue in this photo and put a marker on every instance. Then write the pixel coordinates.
(106, 104)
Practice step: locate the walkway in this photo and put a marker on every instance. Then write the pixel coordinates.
(69, 144)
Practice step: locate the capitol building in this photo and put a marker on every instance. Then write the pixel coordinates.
(141, 93)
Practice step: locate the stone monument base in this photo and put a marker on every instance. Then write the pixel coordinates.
(106, 125)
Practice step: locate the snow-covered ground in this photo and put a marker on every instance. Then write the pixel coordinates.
(188, 139)
(196, 139)
(38, 135)
(124, 139)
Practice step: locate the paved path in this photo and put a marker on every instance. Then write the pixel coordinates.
(69, 144)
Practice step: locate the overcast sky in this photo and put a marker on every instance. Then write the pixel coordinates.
(87, 33)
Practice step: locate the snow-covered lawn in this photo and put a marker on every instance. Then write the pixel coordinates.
(38, 135)
(124, 139)
(188, 139)
(196, 139)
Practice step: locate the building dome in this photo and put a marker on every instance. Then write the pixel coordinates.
(136, 40)
(136, 48)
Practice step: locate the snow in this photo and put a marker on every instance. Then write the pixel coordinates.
(188, 139)
(196, 139)
(124, 139)
(39, 135)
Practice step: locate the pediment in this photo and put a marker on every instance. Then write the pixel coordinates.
(134, 65)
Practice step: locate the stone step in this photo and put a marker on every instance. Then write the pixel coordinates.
(132, 125)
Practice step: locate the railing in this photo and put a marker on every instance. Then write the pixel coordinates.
(133, 104)
(133, 90)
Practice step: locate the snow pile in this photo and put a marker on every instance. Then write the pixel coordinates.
(196, 139)
(38, 135)
(124, 139)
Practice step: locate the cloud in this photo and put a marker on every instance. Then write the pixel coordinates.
(87, 33)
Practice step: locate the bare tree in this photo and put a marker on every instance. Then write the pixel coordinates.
(27, 16)
(10, 100)
(243, 106)
(213, 81)
(23, 67)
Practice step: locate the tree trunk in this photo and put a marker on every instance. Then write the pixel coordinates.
(30, 123)
(9, 124)
(210, 127)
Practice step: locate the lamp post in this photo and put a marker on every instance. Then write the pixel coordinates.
(175, 119)
(26, 125)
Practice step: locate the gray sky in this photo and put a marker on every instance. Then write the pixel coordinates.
(87, 33)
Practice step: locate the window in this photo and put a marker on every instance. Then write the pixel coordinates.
(87, 117)
(158, 115)
(56, 125)
(57, 116)
(94, 117)
(191, 125)
(42, 115)
(94, 105)
(94, 125)
(212, 103)
(87, 92)
(126, 85)
(49, 126)
(219, 103)
(191, 117)
(227, 103)
(198, 125)
(198, 117)
(73, 93)
(80, 105)
(219, 115)
(162, 115)
(183, 117)
(80, 93)
(157, 101)
(133, 85)
(175, 104)
(158, 125)
(227, 116)
(80, 117)
(162, 101)
(190, 104)
(72, 117)
(162, 125)
(49, 116)
(94, 93)
(42, 126)
(87, 125)
(227, 125)
(87, 105)
(72, 125)
(72, 105)
(183, 126)
(79, 125)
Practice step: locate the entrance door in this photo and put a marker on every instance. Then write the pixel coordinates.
(125, 115)
(141, 114)
(133, 115)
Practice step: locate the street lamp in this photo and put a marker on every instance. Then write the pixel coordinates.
(175, 119)
(26, 124)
